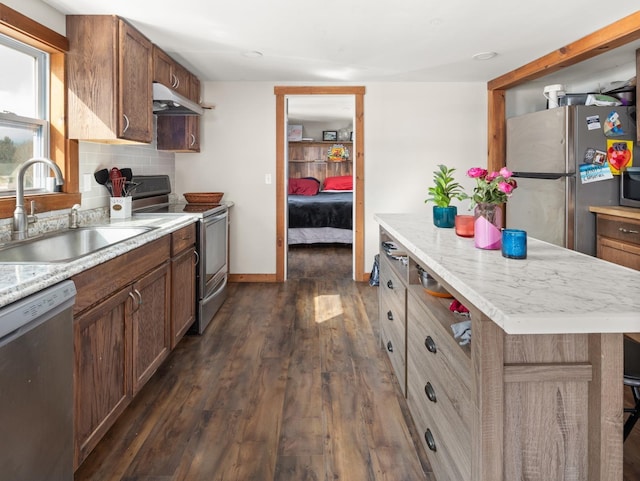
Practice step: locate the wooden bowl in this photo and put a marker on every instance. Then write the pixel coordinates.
(203, 197)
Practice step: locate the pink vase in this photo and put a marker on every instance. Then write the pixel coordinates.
(487, 226)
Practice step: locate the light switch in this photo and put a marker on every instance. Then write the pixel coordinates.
(87, 180)
(267, 178)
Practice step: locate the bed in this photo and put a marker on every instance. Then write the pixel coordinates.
(320, 216)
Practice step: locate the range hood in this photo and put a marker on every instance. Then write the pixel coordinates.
(169, 102)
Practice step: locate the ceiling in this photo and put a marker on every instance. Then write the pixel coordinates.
(356, 41)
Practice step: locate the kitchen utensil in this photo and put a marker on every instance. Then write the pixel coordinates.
(115, 173)
(117, 185)
(127, 173)
(101, 176)
(203, 197)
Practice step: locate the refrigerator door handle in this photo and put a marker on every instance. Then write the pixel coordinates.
(543, 175)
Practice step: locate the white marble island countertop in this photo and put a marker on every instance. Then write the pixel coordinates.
(20, 280)
(554, 290)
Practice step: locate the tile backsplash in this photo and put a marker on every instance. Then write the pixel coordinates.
(142, 159)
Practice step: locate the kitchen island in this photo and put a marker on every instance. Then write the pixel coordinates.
(538, 393)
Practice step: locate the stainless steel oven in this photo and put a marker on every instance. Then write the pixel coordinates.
(213, 235)
(212, 228)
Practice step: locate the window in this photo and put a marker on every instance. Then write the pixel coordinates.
(24, 126)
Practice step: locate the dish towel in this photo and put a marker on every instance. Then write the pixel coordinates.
(462, 331)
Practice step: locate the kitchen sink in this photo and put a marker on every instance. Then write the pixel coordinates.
(67, 245)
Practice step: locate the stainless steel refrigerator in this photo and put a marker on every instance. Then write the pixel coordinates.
(545, 150)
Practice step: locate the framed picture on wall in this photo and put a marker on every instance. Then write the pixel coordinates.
(294, 132)
(330, 135)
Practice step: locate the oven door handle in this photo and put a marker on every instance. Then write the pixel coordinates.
(218, 290)
(215, 218)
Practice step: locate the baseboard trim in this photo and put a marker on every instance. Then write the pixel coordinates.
(272, 277)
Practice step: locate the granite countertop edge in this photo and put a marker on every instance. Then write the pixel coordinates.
(555, 290)
(21, 280)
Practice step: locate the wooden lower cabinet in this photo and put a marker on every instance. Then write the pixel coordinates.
(619, 240)
(150, 324)
(183, 282)
(121, 336)
(102, 370)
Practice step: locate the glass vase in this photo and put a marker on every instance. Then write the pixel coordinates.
(444, 216)
(487, 226)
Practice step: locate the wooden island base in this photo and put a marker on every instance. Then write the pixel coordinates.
(509, 406)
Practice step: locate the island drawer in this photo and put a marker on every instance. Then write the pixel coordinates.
(449, 452)
(391, 286)
(393, 338)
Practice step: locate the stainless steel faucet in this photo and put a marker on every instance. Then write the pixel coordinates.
(73, 217)
(20, 219)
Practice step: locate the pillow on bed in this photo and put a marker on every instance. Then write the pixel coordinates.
(303, 186)
(340, 182)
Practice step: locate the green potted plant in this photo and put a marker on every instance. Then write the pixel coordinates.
(444, 189)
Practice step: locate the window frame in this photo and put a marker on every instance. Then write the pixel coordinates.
(62, 151)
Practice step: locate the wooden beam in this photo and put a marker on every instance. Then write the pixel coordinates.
(607, 38)
(19, 26)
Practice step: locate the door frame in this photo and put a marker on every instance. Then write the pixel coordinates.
(281, 92)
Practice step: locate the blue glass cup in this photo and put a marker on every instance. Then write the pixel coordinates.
(514, 243)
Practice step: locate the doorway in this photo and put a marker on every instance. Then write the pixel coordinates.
(319, 226)
(358, 173)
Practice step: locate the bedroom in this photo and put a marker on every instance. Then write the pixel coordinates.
(320, 215)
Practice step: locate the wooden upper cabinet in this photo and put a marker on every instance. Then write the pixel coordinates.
(194, 89)
(109, 71)
(170, 73)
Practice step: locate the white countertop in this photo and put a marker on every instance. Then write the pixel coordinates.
(554, 290)
(20, 280)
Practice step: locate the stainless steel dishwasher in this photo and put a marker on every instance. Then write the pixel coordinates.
(36, 386)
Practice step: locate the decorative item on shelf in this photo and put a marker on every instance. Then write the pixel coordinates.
(343, 135)
(432, 286)
(338, 153)
(294, 133)
(445, 189)
(329, 135)
(491, 191)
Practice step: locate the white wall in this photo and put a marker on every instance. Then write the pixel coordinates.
(410, 128)
(40, 12)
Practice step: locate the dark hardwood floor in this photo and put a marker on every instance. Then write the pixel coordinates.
(289, 383)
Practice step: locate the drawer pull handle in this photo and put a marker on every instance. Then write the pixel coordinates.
(390, 284)
(430, 345)
(430, 392)
(389, 346)
(627, 231)
(431, 443)
(390, 315)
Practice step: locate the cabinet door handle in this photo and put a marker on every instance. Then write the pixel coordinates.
(430, 392)
(174, 81)
(430, 344)
(196, 258)
(133, 300)
(627, 231)
(193, 140)
(390, 284)
(389, 346)
(390, 315)
(126, 123)
(139, 296)
(431, 443)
